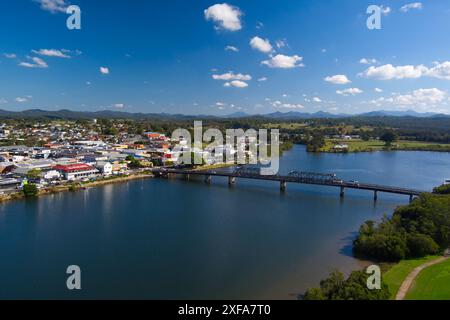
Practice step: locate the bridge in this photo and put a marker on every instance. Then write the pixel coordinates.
(310, 178)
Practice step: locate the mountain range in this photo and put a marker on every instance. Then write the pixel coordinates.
(69, 114)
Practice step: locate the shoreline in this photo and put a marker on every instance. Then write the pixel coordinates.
(73, 187)
(79, 185)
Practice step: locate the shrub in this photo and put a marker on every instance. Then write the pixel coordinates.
(30, 190)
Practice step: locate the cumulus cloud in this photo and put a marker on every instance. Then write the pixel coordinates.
(440, 71)
(231, 48)
(411, 6)
(317, 99)
(225, 16)
(338, 79)
(368, 61)
(21, 99)
(236, 84)
(104, 70)
(349, 92)
(284, 62)
(281, 105)
(52, 53)
(378, 90)
(36, 63)
(389, 72)
(281, 43)
(10, 55)
(119, 105)
(232, 76)
(421, 97)
(262, 79)
(260, 44)
(431, 99)
(53, 6)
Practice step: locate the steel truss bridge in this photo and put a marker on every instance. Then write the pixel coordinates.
(309, 178)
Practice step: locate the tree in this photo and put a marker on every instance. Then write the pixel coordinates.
(388, 137)
(30, 190)
(33, 174)
(132, 162)
(336, 287)
(444, 189)
(316, 142)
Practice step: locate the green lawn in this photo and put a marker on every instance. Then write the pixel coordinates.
(395, 276)
(433, 283)
(376, 145)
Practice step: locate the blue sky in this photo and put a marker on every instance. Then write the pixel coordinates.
(214, 57)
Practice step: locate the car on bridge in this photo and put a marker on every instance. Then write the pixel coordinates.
(353, 182)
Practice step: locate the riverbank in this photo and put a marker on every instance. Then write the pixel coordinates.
(354, 146)
(75, 186)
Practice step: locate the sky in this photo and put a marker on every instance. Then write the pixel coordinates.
(219, 58)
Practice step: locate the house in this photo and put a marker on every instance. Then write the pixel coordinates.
(105, 167)
(76, 171)
(340, 147)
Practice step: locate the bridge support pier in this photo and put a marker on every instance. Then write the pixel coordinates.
(411, 198)
(342, 193)
(375, 195)
(231, 181)
(208, 179)
(283, 186)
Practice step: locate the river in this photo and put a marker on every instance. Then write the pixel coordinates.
(174, 239)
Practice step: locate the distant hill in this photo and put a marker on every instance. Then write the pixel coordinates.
(110, 114)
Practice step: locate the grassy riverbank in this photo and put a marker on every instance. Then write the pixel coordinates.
(433, 283)
(377, 145)
(395, 276)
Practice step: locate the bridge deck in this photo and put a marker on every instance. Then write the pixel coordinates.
(291, 179)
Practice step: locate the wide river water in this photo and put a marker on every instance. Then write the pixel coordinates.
(174, 239)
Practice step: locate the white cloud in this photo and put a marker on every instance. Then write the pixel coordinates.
(349, 92)
(3, 101)
(21, 99)
(317, 99)
(232, 76)
(421, 97)
(260, 44)
(236, 84)
(368, 61)
(385, 10)
(440, 71)
(225, 16)
(411, 6)
(37, 63)
(284, 62)
(280, 105)
(388, 72)
(262, 79)
(281, 43)
(52, 53)
(378, 90)
(119, 105)
(53, 6)
(338, 79)
(104, 70)
(324, 50)
(10, 55)
(231, 48)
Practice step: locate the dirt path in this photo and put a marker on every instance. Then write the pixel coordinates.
(406, 285)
